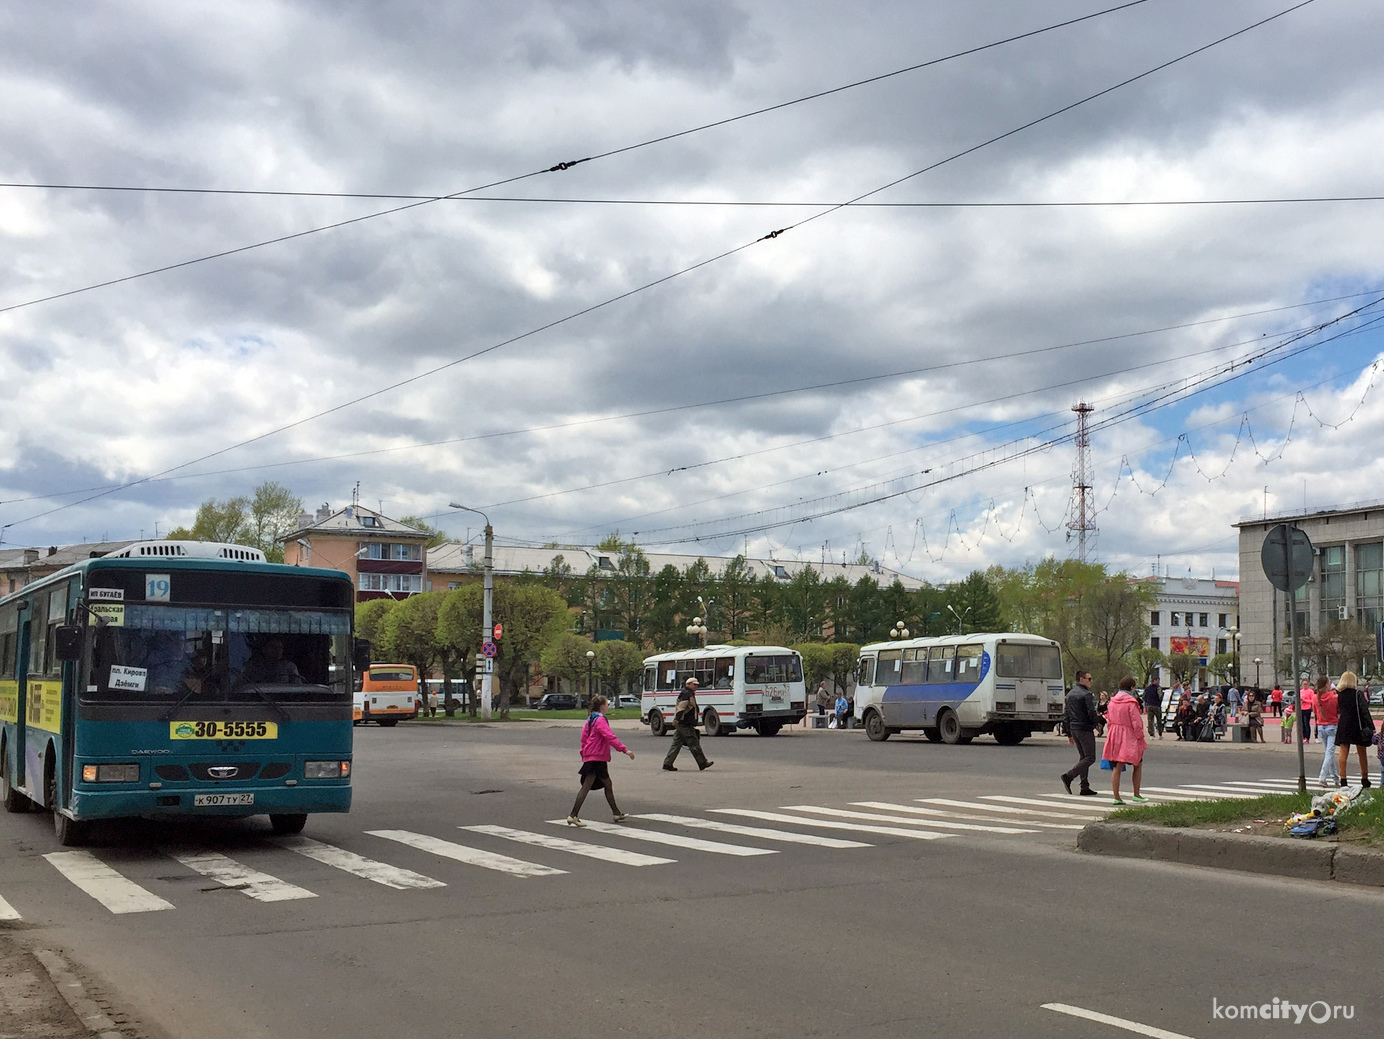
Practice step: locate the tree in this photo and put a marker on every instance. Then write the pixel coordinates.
(804, 604)
(733, 598)
(370, 616)
(1146, 663)
(260, 521)
(975, 602)
(765, 595)
(532, 615)
(621, 662)
(663, 622)
(435, 536)
(565, 657)
(409, 632)
(842, 660)
(816, 663)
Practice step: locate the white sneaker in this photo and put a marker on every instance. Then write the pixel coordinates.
(572, 820)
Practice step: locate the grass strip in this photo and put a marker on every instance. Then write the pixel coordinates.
(1362, 821)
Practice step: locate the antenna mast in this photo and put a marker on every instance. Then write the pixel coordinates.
(1083, 518)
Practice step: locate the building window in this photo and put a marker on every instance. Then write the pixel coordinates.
(391, 583)
(453, 585)
(1333, 583)
(1303, 617)
(1153, 621)
(1220, 622)
(387, 550)
(1369, 585)
(1201, 623)
(369, 521)
(1220, 645)
(1153, 642)
(1172, 618)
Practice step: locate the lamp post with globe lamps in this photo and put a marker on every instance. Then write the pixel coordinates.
(1257, 662)
(898, 631)
(590, 660)
(697, 630)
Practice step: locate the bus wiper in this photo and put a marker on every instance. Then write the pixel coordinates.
(278, 707)
(168, 714)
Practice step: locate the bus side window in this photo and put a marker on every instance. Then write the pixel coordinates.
(9, 641)
(725, 672)
(914, 671)
(887, 670)
(865, 671)
(650, 679)
(38, 630)
(968, 663)
(705, 673)
(668, 675)
(939, 668)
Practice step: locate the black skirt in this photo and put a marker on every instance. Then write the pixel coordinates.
(599, 769)
(1354, 727)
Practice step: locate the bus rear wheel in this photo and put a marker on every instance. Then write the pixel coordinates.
(388, 723)
(291, 823)
(768, 728)
(875, 728)
(14, 801)
(933, 735)
(657, 726)
(711, 721)
(1010, 735)
(949, 727)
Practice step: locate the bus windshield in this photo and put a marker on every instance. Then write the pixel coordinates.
(778, 668)
(1017, 660)
(171, 654)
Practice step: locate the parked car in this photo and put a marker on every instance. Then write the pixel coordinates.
(558, 702)
(625, 700)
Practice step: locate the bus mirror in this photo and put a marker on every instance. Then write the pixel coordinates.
(360, 654)
(68, 642)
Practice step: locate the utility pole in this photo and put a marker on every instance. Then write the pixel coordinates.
(486, 664)
(1083, 518)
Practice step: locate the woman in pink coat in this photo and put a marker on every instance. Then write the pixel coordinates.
(596, 741)
(1124, 739)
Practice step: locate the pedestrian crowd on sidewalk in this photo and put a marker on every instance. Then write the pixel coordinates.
(1127, 721)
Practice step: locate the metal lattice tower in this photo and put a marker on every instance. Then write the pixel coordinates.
(1083, 505)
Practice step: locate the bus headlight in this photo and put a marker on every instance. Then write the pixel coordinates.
(326, 769)
(110, 773)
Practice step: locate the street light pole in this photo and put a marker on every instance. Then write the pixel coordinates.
(487, 621)
(959, 623)
(1257, 662)
(590, 660)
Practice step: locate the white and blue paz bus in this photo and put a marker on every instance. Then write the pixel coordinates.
(957, 687)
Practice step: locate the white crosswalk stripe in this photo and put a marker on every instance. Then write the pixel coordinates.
(380, 872)
(1084, 805)
(1012, 810)
(896, 820)
(676, 840)
(591, 851)
(826, 824)
(1182, 793)
(240, 877)
(762, 832)
(114, 891)
(470, 856)
(7, 911)
(947, 813)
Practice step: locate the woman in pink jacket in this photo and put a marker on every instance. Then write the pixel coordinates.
(1124, 739)
(596, 741)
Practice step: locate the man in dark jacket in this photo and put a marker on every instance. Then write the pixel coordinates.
(1081, 719)
(1153, 707)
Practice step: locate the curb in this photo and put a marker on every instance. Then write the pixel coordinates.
(70, 987)
(1305, 860)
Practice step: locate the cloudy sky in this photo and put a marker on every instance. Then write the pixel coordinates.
(925, 356)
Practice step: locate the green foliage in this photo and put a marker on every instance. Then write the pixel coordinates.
(260, 521)
(975, 602)
(566, 658)
(370, 616)
(408, 631)
(435, 536)
(1193, 813)
(620, 663)
(532, 614)
(816, 663)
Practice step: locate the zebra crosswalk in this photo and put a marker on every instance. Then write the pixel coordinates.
(736, 832)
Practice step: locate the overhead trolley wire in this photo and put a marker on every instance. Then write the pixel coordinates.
(559, 167)
(681, 272)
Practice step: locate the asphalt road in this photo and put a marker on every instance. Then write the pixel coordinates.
(970, 933)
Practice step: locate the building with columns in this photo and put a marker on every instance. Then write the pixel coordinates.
(1346, 586)
(1196, 615)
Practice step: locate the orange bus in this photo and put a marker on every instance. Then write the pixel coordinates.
(388, 694)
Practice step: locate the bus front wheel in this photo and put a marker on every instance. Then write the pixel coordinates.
(933, 735)
(657, 726)
(69, 832)
(388, 723)
(292, 823)
(949, 727)
(875, 728)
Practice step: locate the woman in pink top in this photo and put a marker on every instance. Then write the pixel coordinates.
(596, 741)
(1124, 739)
(1307, 699)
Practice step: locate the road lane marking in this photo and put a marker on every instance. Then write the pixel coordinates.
(104, 884)
(1007, 811)
(1114, 1022)
(591, 851)
(826, 824)
(470, 856)
(677, 840)
(949, 814)
(1183, 793)
(7, 911)
(1077, 806)
(898, 820)
(380, 872)
(762, 832)
(240, 877)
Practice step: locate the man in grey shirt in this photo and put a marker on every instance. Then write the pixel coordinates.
(1081, 719)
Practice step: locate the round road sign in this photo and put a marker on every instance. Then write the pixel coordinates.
(489, 649)
(1286, 557)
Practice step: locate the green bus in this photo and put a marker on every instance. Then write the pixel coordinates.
(178, 679)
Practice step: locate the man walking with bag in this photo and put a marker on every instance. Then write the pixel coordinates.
(685, 729)
(1081, 719)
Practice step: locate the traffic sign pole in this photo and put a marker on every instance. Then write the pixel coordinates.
(1286, 557)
